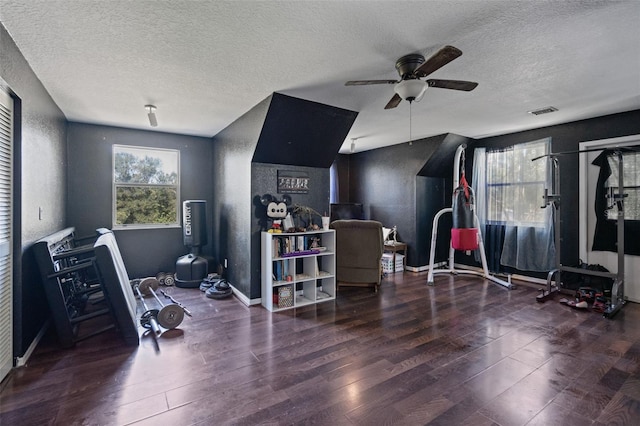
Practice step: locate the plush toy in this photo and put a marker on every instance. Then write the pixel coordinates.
(276, 211)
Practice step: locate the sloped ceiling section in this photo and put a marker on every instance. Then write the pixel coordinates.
(440, 164)
(298, 132)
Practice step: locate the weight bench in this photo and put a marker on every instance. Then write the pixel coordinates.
(115, 280)
(77, 290)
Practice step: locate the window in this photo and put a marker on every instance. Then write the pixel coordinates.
(515, 184)
(631, 177)
(146, 187)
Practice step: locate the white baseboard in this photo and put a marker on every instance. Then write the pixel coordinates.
(21, 361)
(244, 299)
(424, 267)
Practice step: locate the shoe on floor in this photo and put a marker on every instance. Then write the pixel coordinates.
(582, 305)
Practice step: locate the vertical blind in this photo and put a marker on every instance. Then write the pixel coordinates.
(6, 219)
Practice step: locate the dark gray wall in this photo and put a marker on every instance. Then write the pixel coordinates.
(40, 182)
(280, 132)
(89, 204)
(432, 195)
(233, 150)
(342, 163)
(387, 190)
(264, 181)
(566, 137)
(385, 181)
(301, 132)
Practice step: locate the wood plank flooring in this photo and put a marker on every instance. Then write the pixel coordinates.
(464, 352)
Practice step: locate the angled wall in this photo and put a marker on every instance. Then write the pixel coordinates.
(398, 188)
(281, 132)
(233, 150)
(302, 133)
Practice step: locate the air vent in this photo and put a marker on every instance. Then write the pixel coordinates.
(545, 110)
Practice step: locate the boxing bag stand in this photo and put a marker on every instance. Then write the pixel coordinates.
(465, 233)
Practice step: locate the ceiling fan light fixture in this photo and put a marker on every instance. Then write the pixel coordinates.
(410, 90)
(151, 113)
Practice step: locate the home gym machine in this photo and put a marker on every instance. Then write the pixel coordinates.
(617, 291)
(465, 234)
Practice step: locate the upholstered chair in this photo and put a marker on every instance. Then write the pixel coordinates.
(359, 248)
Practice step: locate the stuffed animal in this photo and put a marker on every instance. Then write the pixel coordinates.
(276, 211)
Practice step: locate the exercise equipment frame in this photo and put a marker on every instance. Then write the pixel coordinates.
(617, 291)
(460, 151)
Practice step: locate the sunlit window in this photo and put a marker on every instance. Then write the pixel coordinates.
(631, 177)
(146, 184)
(515, 184)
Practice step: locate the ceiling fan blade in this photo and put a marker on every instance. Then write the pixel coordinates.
(394, 102)
(441, 58)
(466, 86)
(366, 82)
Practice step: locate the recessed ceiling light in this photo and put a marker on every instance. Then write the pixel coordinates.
(545, 110)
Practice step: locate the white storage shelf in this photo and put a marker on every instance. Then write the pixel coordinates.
(293, 273)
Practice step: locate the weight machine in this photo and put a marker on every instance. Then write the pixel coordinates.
(553, 198)
(457, 162)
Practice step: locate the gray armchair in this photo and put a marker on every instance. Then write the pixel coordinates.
(359, 248)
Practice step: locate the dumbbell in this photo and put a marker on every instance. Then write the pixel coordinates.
(166, 278)
(171, 315)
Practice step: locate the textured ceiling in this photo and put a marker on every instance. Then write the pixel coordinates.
(205, 63)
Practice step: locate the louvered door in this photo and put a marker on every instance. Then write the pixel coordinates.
(6, 228)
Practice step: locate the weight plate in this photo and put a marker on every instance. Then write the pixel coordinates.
(170, 316)
(160, 276)
(169, 280)
(145, 319)
(148, 283)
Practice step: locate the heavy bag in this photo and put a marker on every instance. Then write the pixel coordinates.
(464, 236)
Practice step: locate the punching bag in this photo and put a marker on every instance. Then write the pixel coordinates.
(464, 235)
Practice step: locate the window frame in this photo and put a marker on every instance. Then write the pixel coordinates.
(489, 220)
(612, 186)
(115, 185)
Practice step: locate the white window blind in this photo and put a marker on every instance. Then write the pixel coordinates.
(6, 228)
(515, 184)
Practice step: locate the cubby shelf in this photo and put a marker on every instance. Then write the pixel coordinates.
(298, 269)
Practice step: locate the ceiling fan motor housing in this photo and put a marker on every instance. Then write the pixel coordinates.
(408, 64)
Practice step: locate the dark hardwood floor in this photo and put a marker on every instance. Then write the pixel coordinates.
(465, 352)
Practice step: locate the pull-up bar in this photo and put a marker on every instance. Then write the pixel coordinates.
(617, 291)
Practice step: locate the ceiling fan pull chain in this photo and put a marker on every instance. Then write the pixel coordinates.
(410, 124)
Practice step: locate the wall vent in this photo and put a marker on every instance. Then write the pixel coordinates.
(545, 110)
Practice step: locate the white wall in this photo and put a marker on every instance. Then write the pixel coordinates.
(587, 186)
